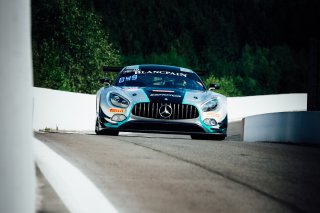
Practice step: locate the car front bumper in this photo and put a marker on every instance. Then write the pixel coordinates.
(183, 126)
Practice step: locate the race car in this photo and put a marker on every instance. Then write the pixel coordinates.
(160, 99)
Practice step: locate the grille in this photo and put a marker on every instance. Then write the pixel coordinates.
(176, 111)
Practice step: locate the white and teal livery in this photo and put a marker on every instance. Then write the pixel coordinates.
(161, 99)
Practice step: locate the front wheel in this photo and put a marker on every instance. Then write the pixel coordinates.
(100, 131)
(97, 127)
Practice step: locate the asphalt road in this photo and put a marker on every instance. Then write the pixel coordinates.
(172, 173)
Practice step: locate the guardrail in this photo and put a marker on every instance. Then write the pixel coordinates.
(76, 112)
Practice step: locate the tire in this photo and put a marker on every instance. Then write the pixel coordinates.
(105, 131)
(208, 137)
(97, 128)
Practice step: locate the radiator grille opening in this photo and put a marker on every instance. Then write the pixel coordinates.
(171, 111)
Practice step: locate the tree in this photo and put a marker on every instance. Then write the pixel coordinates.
(70, 46)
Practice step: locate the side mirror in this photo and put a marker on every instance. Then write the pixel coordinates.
(105, 81)
(214, 86)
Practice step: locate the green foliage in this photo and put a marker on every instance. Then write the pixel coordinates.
(249, 47)
(228, 85)
(253, 43)
(169, 58)
(257, 71)
(70, 47)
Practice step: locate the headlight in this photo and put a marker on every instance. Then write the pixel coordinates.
(118, 101)
(210, 105)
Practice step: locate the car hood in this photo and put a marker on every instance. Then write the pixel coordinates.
(163, 95)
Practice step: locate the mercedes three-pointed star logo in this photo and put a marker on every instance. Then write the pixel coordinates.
(165, 111)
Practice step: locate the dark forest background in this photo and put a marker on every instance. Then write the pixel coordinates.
(249, 47)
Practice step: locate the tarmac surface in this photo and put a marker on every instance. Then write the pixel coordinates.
(171, 173)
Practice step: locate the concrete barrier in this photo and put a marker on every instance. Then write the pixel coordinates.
(241, 107)
(76, 190)
(74, 111)
(17, 179)
(63, 110)
(294, 127)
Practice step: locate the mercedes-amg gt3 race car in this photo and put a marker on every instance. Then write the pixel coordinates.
(160, 99)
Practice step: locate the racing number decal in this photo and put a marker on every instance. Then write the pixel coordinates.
(128, 78)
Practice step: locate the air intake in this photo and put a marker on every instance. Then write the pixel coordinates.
(171, 111)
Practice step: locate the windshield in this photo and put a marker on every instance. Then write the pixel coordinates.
(159, 78)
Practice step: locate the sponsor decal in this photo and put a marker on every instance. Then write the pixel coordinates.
(166, 95)
(212, 115)
(162, 72)
(170, 91)
(115, 110)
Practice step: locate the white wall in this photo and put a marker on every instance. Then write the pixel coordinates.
(66, 110)
(74, 111)
(240, 107)
(17, 174)
(294, 127)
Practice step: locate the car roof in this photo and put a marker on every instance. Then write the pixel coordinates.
(159, 67)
